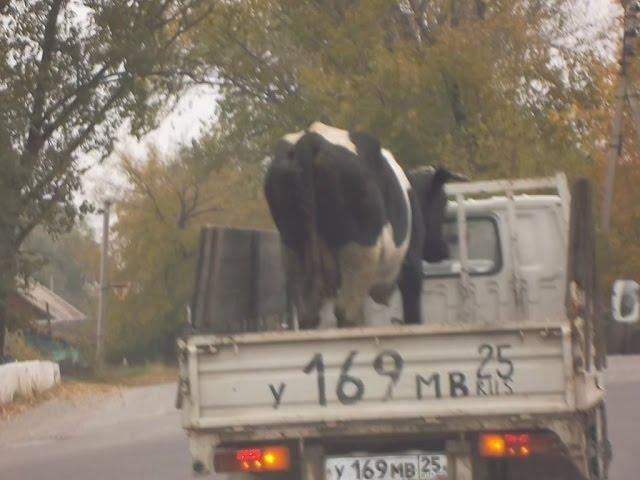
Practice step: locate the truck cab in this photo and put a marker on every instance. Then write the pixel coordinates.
(503, 380)
(510, 275)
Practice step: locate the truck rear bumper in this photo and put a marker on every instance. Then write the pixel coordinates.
(455, 436)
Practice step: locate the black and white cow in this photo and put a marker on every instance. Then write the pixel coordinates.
(351, 222)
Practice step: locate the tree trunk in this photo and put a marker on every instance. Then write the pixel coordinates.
(7, 280)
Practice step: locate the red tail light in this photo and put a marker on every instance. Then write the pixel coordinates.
(248, 454)
(516, 444)
(260, 459)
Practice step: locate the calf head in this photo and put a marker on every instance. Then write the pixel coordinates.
(428, 185)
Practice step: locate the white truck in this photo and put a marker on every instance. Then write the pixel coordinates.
(503, 381)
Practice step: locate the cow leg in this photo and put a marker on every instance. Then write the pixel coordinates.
(308, 316)
(358, 266)
(309, 309)
(291, 293)
(307, 300)
(411, 289)
(382, 294)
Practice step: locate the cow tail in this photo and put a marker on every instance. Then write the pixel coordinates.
(318, 262)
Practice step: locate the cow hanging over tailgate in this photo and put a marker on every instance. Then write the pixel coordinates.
(351, 223)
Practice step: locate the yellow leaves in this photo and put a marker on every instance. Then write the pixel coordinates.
(157, 232)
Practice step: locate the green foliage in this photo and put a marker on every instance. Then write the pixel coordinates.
(157, 231)
(71, 73)
(490, 89)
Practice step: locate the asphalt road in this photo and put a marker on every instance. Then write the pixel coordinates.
(135, 434)
(623, 414)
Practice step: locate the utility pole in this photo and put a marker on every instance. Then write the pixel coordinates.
(626, 93)
(102, 293)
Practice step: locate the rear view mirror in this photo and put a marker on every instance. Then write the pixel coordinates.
(625, 301)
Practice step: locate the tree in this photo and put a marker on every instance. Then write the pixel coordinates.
(157, 230)
(71, 73)
(620, 252)
(489, 88)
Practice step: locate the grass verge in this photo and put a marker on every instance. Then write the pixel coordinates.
(133, 376)
(67, 390)
(101, 382)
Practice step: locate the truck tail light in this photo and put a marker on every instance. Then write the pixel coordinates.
(492, 445)
(516, 444)
(259, 459)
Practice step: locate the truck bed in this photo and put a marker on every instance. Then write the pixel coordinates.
(254, 382)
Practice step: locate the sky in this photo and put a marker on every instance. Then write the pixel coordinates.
(192, 115)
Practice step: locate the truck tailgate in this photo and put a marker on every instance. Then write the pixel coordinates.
(309, 377)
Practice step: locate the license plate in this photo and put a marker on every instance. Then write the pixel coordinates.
(418, 466)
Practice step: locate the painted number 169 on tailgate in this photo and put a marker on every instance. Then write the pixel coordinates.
(419, 466)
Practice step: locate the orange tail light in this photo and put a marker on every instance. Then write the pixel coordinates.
(516, 444)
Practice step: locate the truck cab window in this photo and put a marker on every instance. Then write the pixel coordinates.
(483, 245)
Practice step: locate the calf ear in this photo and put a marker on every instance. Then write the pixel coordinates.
(443, 176)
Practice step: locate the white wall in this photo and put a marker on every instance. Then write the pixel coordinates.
(27, 378)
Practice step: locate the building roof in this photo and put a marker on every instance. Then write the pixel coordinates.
(40, 297)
